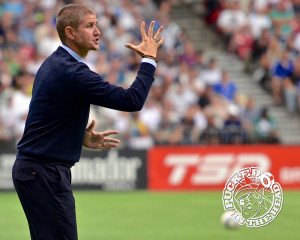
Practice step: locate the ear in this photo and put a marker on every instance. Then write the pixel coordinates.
(69, 31)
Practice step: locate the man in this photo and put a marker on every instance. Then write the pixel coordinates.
(63, 90)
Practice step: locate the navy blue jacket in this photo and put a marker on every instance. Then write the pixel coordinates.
(62, 92)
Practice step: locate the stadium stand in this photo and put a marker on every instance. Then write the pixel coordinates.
(195, 98)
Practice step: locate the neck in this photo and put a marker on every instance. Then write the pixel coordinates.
(81, 52)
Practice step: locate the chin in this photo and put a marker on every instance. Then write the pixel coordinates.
(94, 48)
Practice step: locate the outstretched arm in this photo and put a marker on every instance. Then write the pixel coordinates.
(95, 140)
(89, 87)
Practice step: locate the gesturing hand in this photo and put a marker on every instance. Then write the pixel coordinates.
(149, 43)
(97, 140)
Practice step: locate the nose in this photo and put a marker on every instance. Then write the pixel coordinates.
(97, 31)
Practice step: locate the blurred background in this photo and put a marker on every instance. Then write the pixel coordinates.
(226, 96)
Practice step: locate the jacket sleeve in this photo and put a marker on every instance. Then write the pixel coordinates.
(91, 88)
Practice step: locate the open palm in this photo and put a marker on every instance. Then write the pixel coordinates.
(149, 43)
(95, 140)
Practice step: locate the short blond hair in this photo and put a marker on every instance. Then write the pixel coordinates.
(71, 15)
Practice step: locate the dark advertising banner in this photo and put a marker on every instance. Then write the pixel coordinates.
(114, 170)
(111, 170)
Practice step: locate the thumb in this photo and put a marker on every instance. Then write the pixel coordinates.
(92, 125)
(131, 46)
(134, 48)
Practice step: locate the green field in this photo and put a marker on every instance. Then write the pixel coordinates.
(153, 216)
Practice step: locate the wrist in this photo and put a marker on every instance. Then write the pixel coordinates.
(150, 57)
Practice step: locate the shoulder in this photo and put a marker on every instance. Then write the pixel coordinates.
(62, 54)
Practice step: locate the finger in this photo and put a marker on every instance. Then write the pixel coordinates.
(92, 125)
(110, 145)
(157, 34)
(104, 148)
(150, 31)
(111, 140)
(107, 146)
(131, 46)
(134, 48)
(161, 41)
(110, 132)
(143, 32)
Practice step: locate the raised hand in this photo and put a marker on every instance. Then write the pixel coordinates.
(149, 43)
(100, 140)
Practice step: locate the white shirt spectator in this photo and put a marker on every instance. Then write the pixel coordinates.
(151, 116)
(211, 76)
(48, 45)
(200, 121)
(259, 22)
(181, 96)
(126, 20)
(171, 33)
(260, 4)
(47, 4)
(13, 114)
(231, 19)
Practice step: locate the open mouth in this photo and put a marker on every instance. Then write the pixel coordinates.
(96, 41)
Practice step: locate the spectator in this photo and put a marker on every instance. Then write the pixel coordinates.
(211, 135)
(166, 132)
(212, 75)
(26, 32)
(205, 97)
(151, 114)
(218, 110)
(181, 97)
(263, 73)
(139, 134)
(15, 7)
(189, 56)
(233, 131)
(231, 20)
(259, 47)
(213, 9)
(249, 115)
(200, 63)
(169, 67)
(241, 42)
(171, 31)
(282, 15)
(146, 8)
(283, 69)
(290, 87)
(259, 21)
(196, 81)
(265, 128)
(187, 128)
(261, 5)
(8, 120)
(226, 88)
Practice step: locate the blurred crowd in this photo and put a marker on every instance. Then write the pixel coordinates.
(266, 35)
(192, 100)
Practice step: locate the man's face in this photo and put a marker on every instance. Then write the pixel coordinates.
(87, 35)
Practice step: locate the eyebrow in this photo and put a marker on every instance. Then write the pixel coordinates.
(93, 22)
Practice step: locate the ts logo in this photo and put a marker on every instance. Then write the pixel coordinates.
(211, 169)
